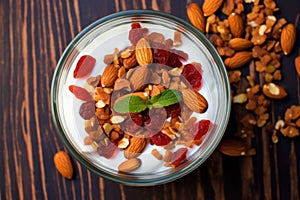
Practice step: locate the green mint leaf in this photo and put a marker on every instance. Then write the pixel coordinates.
(130, 104)
(166, 98)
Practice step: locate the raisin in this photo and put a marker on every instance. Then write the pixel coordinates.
(108, 151)
(87, 110)
(84, 67)
(80, 93)
(193, 76)
(160, 139)
(136, 33)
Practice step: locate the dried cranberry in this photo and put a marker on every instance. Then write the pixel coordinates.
(173, 60)
(173, 110)
(136, 25)
(108, 151)
(157, 117)
(80, 93)
(132, 123)
(160, 139)
(87, 110)
(136, 33)
(181, 55)
(137, 118)
(178, 157)
(160, 54)
(84, 67)
(193, 75)
(200, 129)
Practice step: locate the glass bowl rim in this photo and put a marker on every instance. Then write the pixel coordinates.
(60, 66)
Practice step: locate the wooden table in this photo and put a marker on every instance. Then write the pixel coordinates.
(33, 35)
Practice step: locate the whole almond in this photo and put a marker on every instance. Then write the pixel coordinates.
(288, 38)
(109, 76)
(130, 165)
(130, 61)
(194, 101)
(143, 52)
(231, 147)
(274, 91)
(140, 77)
(236, 25)
(135, 148)
(63, 164)
(240, 44)
(196, 16)
(297, 64)
(239, 59)
(209, 7)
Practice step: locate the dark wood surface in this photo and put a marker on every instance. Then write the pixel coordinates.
(33, 35)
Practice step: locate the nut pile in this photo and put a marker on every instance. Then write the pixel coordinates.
(145, 96)
(256, 39)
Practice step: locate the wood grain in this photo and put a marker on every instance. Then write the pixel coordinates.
(34, 34)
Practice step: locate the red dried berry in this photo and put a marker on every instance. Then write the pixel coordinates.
(156, 120)
(87, 110)
(84, 67)
(137, 118)
(136, 33)
(181, 55)
(173, 110)
(108, 151)
(173, 60)
(160, 54)
(178, 157)
(200, 129)
(136, 25)
(192, 73)
(132, 123)
(160, 139)
(80, 93)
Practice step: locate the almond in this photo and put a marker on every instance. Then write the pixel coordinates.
(231, 147)
(211, 6)
(288, 38)
(194, 101)
(239, 59)
(297, 64)
(63, 164)
(236, 25)
(109, 76)
(135, 148)
(143, 52)
(274, 91)
(196, 16)
(139, 77)
(130, 165)
(130, 61)
(228, 7)
(240, 44)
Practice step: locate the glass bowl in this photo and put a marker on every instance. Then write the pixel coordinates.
(100, 39)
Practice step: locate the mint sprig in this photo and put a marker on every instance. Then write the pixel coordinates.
(135, 104)
(166, 98)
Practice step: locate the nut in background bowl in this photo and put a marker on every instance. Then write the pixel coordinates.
(100, 39)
